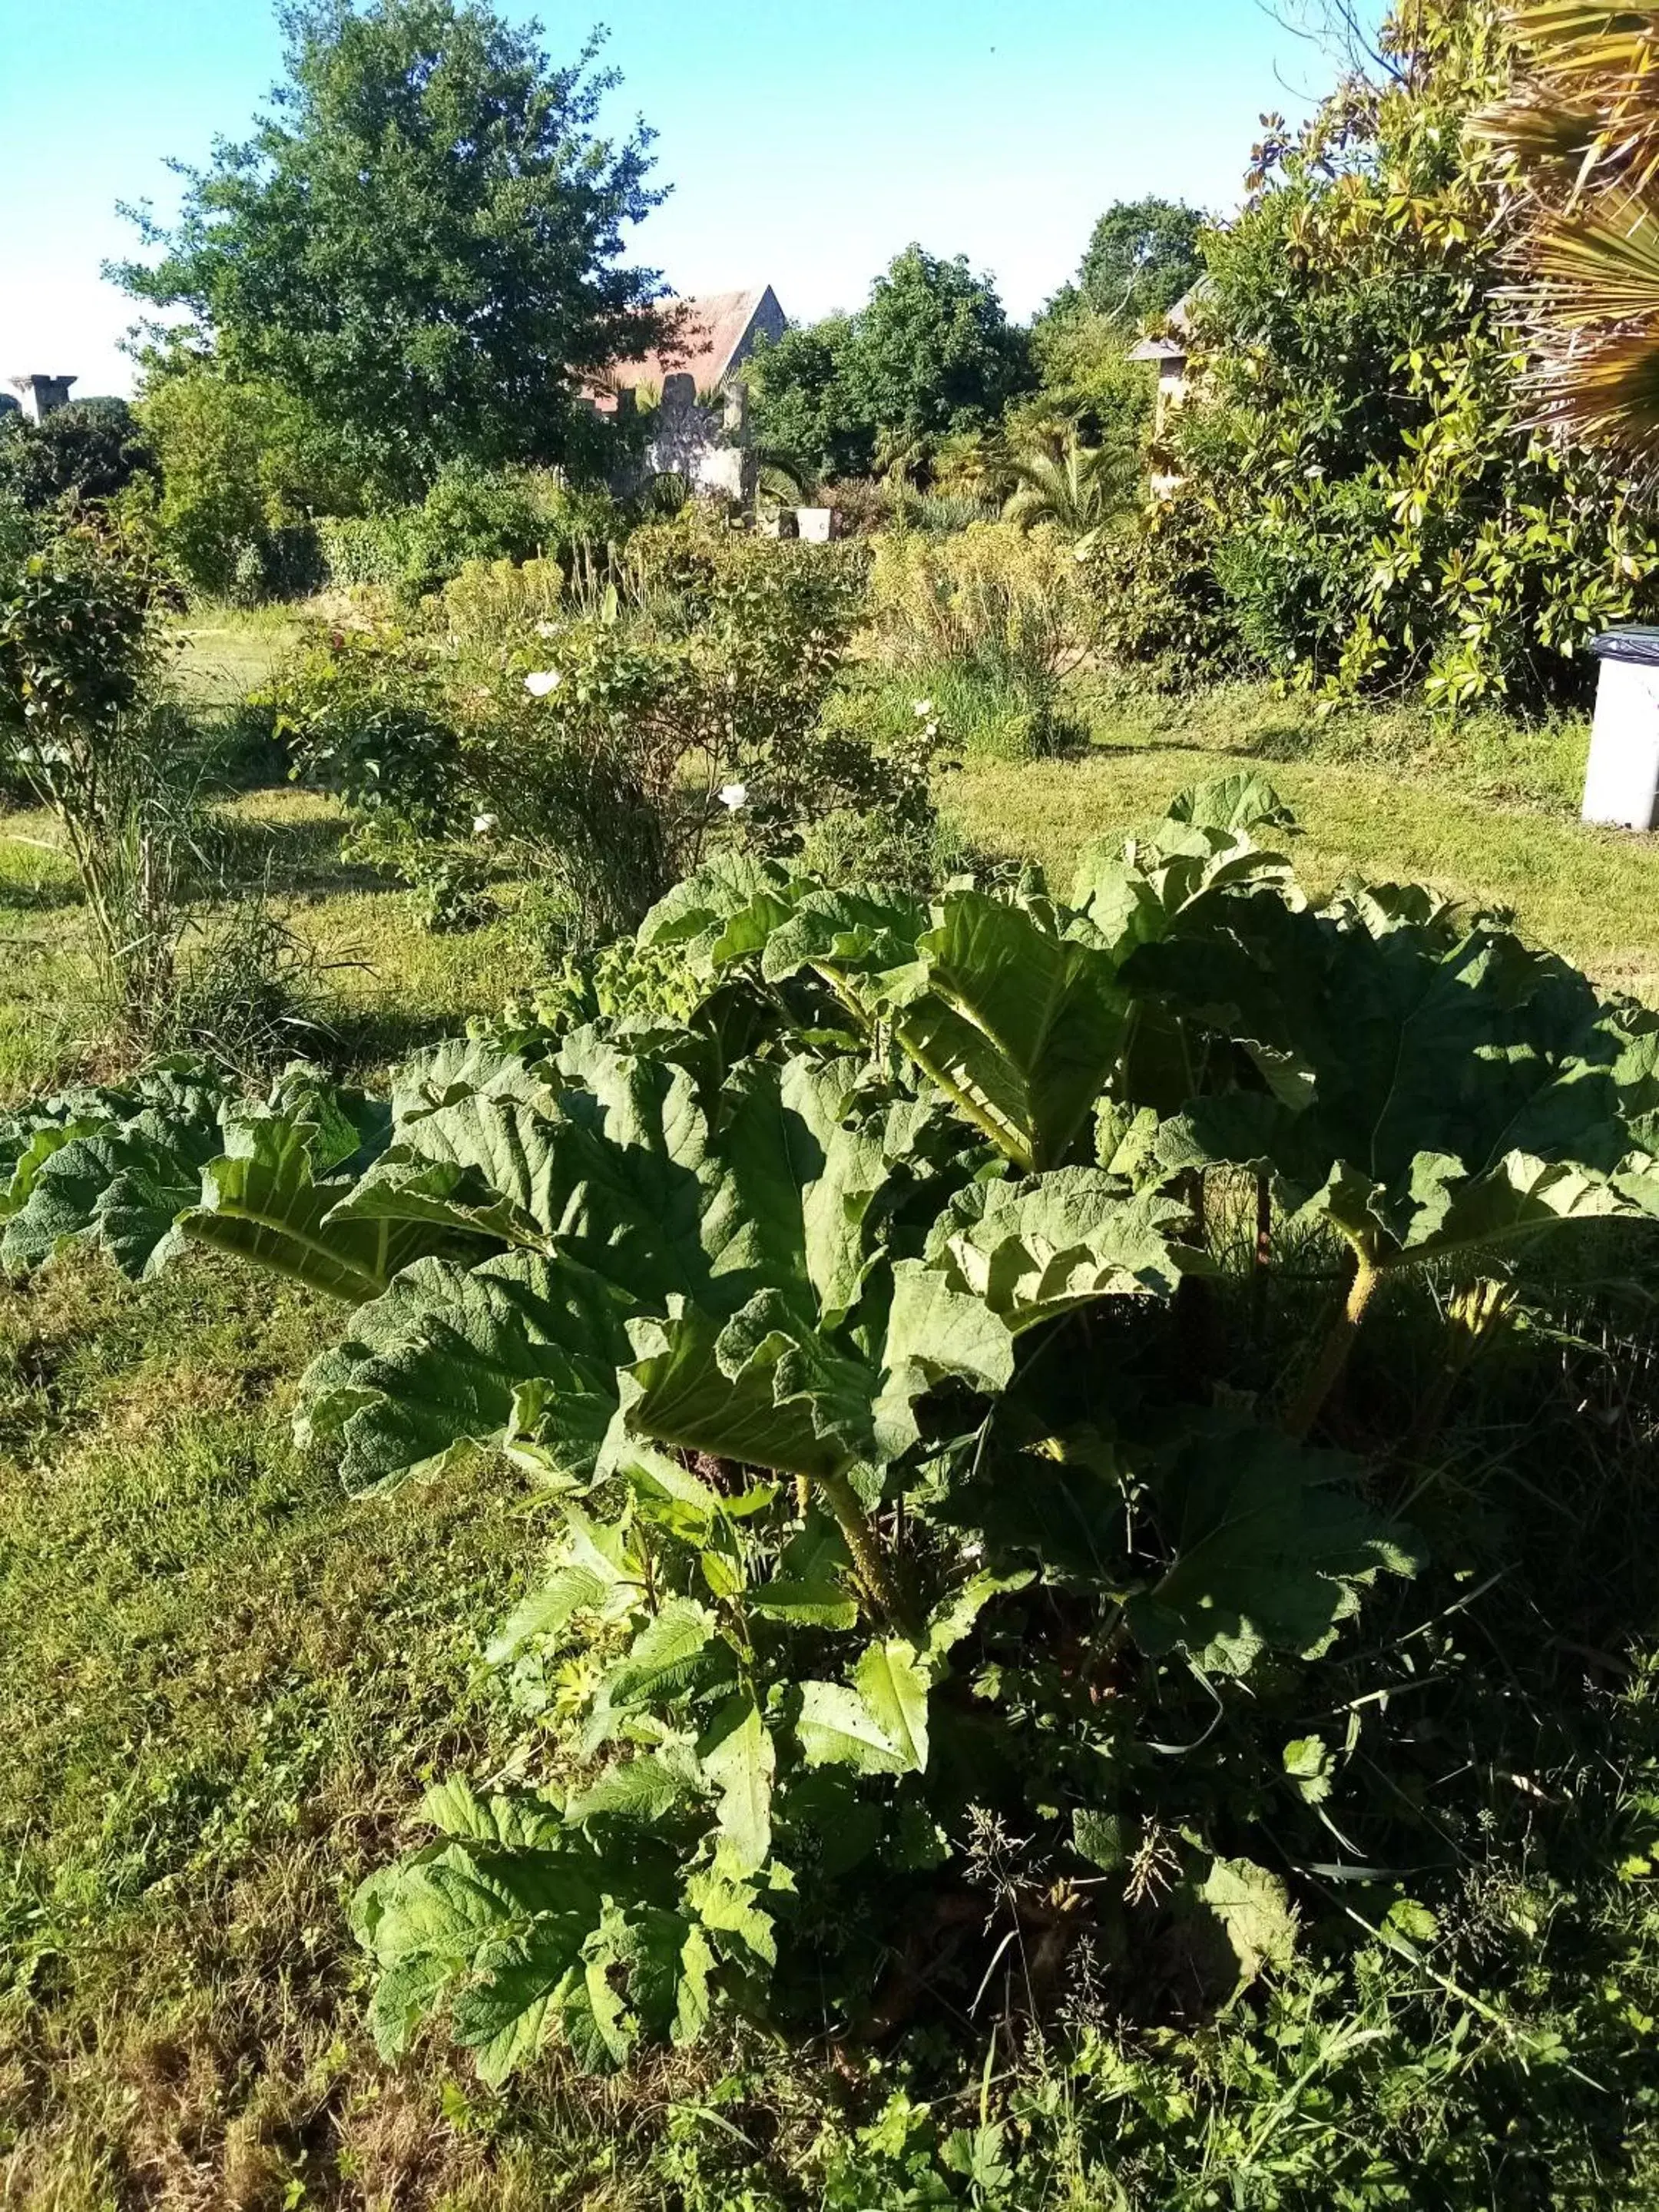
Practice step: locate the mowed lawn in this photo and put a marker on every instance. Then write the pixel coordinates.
(1590, 894)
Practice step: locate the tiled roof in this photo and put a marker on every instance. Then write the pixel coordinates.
(1171, 343)
(708, 333)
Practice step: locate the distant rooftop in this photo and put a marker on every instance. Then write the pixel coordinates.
(709, 337)
(1172, 344)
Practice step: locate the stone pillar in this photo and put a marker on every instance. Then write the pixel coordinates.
(41, 396)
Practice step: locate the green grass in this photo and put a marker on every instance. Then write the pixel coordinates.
(225, 653)
(1413, 814)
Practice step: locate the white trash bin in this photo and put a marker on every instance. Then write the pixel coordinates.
(1621, 784)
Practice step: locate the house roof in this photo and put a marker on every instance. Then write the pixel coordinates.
(706, 334)
(1171, 343)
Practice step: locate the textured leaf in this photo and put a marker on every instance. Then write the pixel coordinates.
(1021, 1027)
(740, 1759)
(764, 1390)
(1254, 1910)
(815, 1604)
(122, 1188)
(837, 1728)
(1421, 1085)
(666, 1654)
(450, 1359)
(893, 1680)
(261, 1202)
(1271, 1543)
(1034, 1249)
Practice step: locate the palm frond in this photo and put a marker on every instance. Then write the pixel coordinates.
(1589, 94)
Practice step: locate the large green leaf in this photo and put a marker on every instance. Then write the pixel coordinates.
(110, 1167)
(448, 1360)
(123, 1188)
(739, 1758)
(1021, 1027)
(261, 1200)
(1418, 1084)
(1032, 1249)
(1270, 1544)
(515, 1919)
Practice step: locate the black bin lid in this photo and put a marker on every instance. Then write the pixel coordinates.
(1636, 642)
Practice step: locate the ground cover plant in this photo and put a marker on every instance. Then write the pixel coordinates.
(904, 1309)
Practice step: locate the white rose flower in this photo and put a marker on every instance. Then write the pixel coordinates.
(734, 795)
(541, 681)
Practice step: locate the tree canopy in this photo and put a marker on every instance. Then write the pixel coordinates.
(931, 354)
(423, 241)
(91, 448)
(1362, 469)
(1142, 255)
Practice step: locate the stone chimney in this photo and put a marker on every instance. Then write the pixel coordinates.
(42, 395)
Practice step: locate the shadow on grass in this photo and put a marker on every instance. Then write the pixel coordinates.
(47, 895)
(364, 1040)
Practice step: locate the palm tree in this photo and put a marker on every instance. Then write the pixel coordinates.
(1580, 133)
(1074, 486)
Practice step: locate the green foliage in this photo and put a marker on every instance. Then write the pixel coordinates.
(366, 714)
(88, 450)
(839, 1283)
(495, 602)
(931, 354)
(420, 307)
(81, 730)
(470, 514)
(238, 469)
(986, 623)
(1142, 255)
(1376, 510)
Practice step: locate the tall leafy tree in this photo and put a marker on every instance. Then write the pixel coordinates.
(930, 355)
(933, 351)
(1379, 508)
(422, 239)
(1142, 255)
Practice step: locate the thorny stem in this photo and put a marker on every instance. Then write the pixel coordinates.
(1332, 1357)
(1264, 1250)
(865, 1545)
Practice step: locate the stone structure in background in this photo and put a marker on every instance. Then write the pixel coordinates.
(1171, 350)
(40, 396)
(699, 426)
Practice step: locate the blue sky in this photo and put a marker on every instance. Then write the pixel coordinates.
(807, 141)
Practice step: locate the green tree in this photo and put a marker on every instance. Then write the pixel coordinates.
(1377, 506)
(933, 352)
(423, 241)
(1142, 255)
(806, 412)
(930, 355)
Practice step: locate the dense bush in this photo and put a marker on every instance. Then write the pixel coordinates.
(1365, 497)
(991, 618)
(983, 1357)
(495, 602)
(89, 450)
(239, 474)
